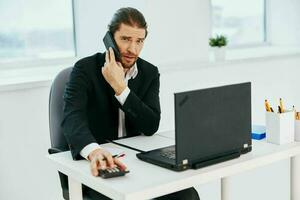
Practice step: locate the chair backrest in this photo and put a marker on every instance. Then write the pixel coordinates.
(56, 104)
(58, 141)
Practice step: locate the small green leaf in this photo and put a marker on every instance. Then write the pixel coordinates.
(218, 41)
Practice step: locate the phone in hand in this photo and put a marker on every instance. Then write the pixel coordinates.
(109, 41)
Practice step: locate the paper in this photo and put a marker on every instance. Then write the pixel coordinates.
(147, 143)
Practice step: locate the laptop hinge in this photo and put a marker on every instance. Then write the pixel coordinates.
(215, 160)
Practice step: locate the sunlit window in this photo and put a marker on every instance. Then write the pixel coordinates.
(243, 22)
(36, 29)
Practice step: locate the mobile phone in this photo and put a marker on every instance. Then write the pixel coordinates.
(109, 41)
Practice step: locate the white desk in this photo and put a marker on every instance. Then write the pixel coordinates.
(146, 181)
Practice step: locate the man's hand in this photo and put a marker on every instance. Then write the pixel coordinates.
(101, 159)
(113, 72)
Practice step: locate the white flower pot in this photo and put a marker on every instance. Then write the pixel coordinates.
(219, 53)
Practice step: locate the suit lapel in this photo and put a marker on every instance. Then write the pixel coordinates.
(134, 84)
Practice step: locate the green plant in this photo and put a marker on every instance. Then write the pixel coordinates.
(218, 41)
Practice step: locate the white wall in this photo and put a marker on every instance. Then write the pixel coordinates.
(24, 139)
(268, 182)
(179, 30)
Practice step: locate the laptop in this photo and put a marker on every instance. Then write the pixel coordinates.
(211, 125)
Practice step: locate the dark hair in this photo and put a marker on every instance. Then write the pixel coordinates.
(129, 16)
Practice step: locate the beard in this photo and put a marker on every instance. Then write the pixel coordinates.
(128, 63)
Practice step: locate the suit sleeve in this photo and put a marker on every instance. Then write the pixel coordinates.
(145, 112)
(75, 122)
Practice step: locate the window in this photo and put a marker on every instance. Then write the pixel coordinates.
(36, 29)
(243, 22)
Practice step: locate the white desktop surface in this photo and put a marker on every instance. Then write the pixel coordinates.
(167, 134)
(146, 181)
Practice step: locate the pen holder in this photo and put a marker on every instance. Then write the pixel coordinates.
(280, 127)
(297, 130)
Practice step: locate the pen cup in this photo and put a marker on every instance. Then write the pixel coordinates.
(297, 130)
(280, 127)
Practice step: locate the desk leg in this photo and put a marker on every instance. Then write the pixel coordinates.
(295, 177)
(75, 189)
(224, 189)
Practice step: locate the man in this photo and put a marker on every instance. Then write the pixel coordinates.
(106, 99)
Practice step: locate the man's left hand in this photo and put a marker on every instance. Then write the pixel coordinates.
(113, 72)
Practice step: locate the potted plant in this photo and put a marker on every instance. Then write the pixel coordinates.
(218, 43)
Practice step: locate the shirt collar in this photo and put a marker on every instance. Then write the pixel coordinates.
(132, 72)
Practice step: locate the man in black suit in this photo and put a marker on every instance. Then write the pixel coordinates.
(106, 99)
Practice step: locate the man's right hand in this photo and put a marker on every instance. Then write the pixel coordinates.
(102, 159)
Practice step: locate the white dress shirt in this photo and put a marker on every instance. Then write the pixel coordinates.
(131, 73)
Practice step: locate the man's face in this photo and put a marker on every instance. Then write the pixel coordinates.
(130, 41)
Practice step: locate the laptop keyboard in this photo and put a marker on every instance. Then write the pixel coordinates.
(170, 154)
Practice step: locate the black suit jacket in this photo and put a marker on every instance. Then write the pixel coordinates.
(91, 109)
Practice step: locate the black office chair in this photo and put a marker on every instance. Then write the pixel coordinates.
(58, 141)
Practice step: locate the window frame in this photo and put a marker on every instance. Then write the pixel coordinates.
(265, 41)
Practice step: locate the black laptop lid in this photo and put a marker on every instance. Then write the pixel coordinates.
(210, 122)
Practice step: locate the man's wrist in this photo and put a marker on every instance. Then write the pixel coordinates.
(85, 152)
(120, 89)
(123, 96)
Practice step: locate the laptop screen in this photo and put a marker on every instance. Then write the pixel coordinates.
(211, 122)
